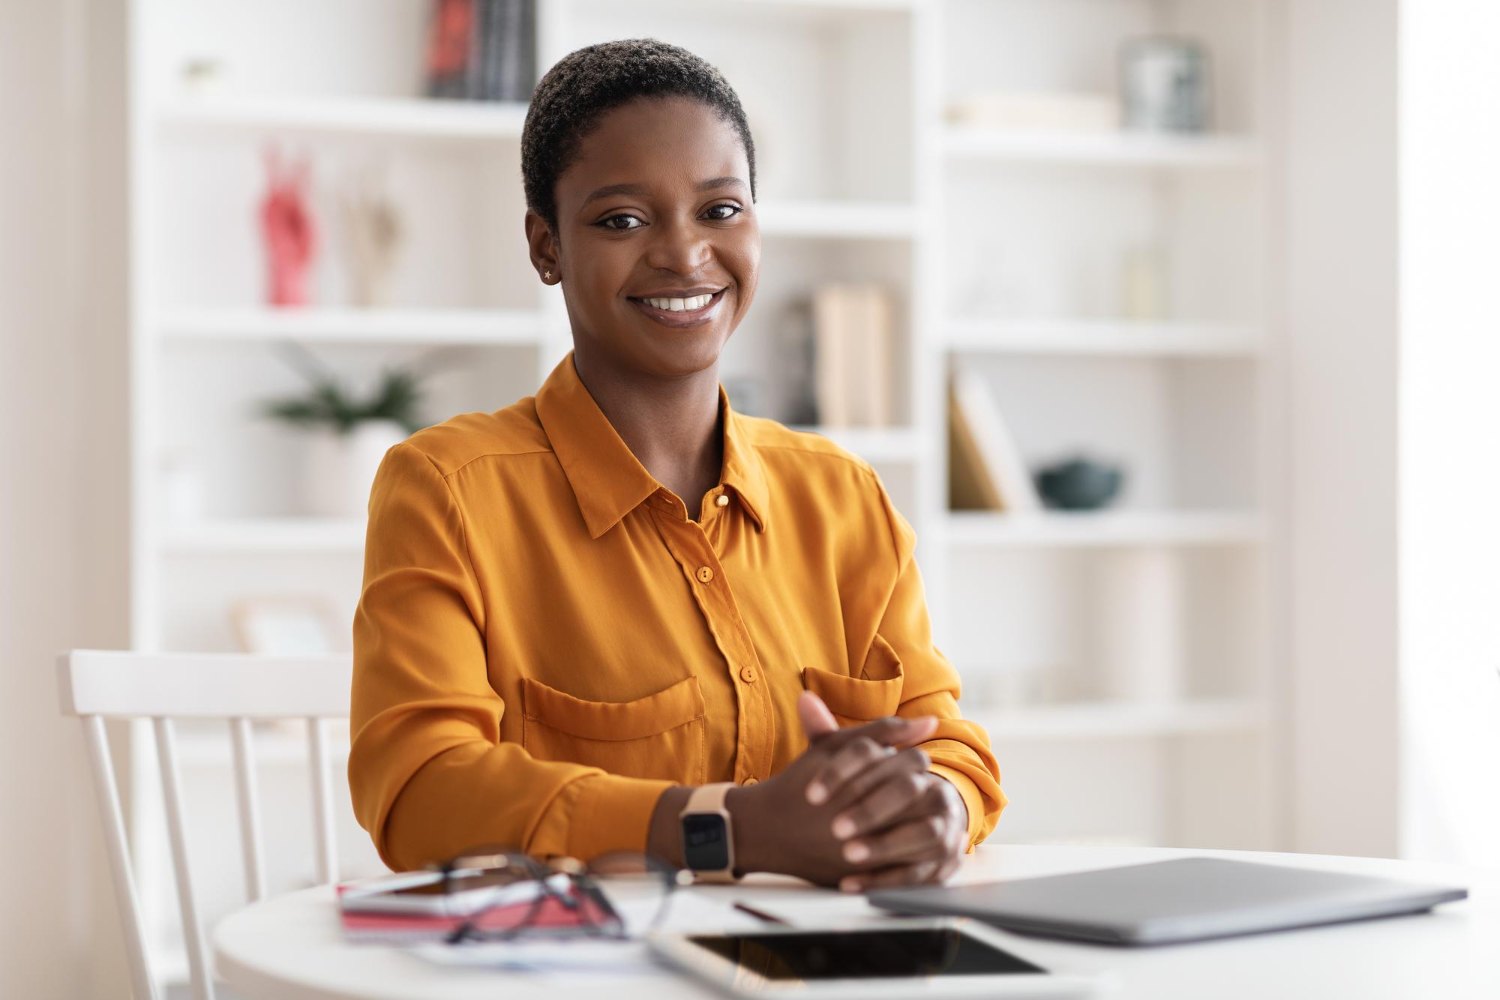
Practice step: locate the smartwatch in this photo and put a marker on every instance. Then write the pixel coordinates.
(708, 835)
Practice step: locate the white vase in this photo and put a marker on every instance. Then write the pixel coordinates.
(341, 467)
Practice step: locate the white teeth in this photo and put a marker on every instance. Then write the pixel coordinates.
(681, 305)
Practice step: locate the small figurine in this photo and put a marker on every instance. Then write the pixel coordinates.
(372, 234)
(288, 230)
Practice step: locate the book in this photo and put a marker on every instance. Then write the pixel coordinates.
(852, 343)
(970, 485)
(998, 477)
(450, 34)
(584, 914)
(483, 50)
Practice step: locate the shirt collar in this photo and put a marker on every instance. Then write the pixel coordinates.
(608, 481)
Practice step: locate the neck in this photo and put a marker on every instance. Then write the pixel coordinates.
(670, 424)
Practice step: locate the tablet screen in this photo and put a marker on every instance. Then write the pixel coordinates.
(864, 954)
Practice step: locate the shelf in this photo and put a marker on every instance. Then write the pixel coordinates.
(357, 326)
(873, 444)
(265, 535)
(1057, 529)
(782, 11)
(408, 117)
(1114, 720)
(1104, 337)
(1126, 149)
(838, 219)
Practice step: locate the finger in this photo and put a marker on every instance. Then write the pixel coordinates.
(890, 878)
(817, 720)
(924, 839)
(902, 798)
(891, 731)
(862, 784)
(846, 761)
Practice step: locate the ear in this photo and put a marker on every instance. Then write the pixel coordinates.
(542, 243)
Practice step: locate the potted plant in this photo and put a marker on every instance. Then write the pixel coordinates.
(347, 435)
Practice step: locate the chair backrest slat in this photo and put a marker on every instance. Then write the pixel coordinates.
(108, 795)
(247, 790)
(105, 684)
(192, 927)
(322, 793)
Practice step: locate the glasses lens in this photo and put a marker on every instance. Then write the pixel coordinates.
(638, 887)
(496, 893)
(616, 895)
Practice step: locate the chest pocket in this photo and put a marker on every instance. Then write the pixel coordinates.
(873, 693)
(658, 736)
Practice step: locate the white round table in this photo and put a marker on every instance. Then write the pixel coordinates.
(292, 947)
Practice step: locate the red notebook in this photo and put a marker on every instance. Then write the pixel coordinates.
(590, 915)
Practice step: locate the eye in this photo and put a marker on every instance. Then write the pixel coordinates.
(721, 212)
(620, 222)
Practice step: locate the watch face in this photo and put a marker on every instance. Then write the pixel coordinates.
(705, 842)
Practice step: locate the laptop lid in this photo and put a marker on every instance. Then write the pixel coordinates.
(1184, 899)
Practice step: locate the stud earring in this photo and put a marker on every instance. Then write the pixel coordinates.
(546, 275)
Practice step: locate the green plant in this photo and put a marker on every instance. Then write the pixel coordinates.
(328, 403)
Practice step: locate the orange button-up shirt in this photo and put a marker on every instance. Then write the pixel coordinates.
(545, 641)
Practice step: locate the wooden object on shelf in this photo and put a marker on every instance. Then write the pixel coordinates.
(970, 486)
(997, 477)
(853, 343)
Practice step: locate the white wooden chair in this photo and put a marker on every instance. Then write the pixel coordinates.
(96, 685)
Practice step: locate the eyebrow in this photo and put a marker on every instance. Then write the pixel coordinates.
(610, 190)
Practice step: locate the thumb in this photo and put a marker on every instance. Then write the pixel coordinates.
(817, 720)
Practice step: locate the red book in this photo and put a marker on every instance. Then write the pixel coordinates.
(590, 914)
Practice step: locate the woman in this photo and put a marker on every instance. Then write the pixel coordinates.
(615, 615)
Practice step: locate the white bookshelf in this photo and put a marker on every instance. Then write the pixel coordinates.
(1114, 721)
(1102, 149)
(1105, 337)
(382, 117)
(837, 220)
(1056, 529)
(261, 535)
(357, 326)
(862, 176)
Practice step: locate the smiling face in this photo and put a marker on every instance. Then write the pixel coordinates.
(657, 245)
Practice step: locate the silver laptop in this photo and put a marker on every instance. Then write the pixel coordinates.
(1186, 899)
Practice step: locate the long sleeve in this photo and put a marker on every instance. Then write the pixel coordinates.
(960, 750)
(428, 772)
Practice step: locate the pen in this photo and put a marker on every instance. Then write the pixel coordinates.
(757, 914)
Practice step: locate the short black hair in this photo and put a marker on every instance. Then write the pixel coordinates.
(585, 84)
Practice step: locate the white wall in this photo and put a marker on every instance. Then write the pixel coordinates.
(1450, 413)
(62, 476)
(1339, 768)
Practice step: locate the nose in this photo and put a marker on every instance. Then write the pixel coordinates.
(679, 246)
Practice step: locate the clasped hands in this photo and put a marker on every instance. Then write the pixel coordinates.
(859, 809)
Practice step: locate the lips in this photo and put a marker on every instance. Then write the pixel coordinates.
(680, 318)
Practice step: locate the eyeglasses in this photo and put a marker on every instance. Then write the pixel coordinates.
(562, 898)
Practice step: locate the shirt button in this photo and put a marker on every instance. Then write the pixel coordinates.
(705, 574)
(752, 780)
(747, 674)
(722, 500)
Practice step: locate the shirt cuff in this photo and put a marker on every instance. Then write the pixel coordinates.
(598, 815)
(969, 792)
